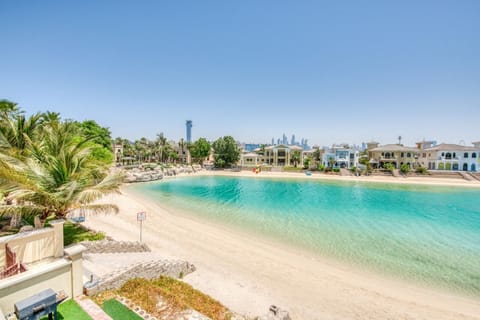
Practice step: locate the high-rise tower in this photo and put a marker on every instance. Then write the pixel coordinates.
(189, 125)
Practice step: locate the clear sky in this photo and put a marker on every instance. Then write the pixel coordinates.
(330, 71)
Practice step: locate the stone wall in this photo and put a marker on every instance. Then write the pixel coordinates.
(110, 246)
(148, 270)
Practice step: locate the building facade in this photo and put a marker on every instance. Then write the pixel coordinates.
(450, 157)
(395, 154)
(340, 157)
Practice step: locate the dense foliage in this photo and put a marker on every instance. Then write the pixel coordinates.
(226, 152)
(50, 167)
(199, 150)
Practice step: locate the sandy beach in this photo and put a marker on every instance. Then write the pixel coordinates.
(248, 274)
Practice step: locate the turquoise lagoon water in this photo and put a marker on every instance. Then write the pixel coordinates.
(430, 234)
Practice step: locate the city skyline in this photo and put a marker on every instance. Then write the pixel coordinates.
(333, 73)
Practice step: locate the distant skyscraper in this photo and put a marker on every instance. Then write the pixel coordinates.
(189, 131)
(293, 142)
(284, 139)
(273, 141)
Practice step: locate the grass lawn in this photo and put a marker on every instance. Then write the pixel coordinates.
(73, 233)
(70, 310)
(178, 294)
(118, 311)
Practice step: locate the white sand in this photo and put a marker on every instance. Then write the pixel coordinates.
(249, 274)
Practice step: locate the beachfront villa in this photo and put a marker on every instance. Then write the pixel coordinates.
(278, 156)
(341, 157)
(450, 157)
(395, 154)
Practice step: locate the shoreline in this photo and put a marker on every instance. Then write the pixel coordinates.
(427, 180)
(248, 274)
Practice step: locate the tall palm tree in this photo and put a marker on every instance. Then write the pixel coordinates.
(182, 145)
(58, 178)
(161, 142)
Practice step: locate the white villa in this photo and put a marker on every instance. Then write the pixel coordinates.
(452, 157)
(341, 156)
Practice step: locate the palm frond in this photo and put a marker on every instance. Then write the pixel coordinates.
(24, 210)
(94, 209)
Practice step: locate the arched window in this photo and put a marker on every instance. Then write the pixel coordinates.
(443, 154)
(401, 155)
(448, 156)
(474, 155)
(465, 155)
(454, 155)
(409, 155)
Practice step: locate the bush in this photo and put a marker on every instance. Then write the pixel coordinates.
(421, 170)
(405, 168)
(321, 167)
(388, 166)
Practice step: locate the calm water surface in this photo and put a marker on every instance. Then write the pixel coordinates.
(430, 234)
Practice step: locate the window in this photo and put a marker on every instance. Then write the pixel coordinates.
(409, 155)
(465, 155)
(443, 154)
(401, 155)
(454, 155)
(448, 156)
(474, 155)
(424, 155)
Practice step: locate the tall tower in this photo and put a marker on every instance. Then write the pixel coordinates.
(189, 125)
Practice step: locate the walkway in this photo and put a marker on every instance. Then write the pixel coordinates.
(93, 310)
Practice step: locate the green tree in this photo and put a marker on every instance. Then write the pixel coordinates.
(59, 176)
(100, 135)
(307, 162)
(9, 110)
(296, 156)
(161, 142)
(199, 150)
(331, 162)
(182, 144)
(226, 152)
(17, 132)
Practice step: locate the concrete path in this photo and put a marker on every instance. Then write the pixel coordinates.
(93, 310)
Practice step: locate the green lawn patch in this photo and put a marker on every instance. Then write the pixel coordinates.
(70, 310)
(74, 233)
(118, 311)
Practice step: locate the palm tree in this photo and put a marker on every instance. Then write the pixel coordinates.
(182, 145)
(296, 155)
(58, 178)
(9, 110)
(17, 132)
(161, 142)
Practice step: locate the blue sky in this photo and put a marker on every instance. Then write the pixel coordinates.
(330, 71)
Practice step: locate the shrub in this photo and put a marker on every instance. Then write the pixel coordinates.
(421, 170)
(388, 166)
(404, 168)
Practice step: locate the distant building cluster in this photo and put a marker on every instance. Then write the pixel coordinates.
(284, 152)
(426, 154)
